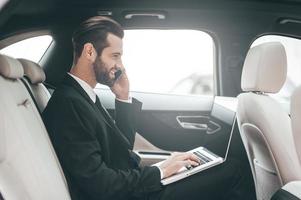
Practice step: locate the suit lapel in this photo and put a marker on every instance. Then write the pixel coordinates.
(104, 113)
(113, 125)
(101, 112)
(68, 80)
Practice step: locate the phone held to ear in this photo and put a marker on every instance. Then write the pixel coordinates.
(117, 74)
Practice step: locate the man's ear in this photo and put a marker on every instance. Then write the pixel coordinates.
(89, 52)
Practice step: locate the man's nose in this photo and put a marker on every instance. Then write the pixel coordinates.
(120, 63)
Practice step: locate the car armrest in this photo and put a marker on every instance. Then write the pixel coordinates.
(151, 157)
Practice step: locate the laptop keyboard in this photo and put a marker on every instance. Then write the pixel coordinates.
(203, 159)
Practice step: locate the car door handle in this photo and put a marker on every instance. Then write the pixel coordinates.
(193, 122)
(213, 128)
(202, 123)
(199, 126)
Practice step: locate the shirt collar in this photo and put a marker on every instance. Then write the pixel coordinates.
(86, 87)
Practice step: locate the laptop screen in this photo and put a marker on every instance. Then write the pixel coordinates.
(221, 127)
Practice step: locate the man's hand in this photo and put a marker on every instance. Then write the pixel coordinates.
(176, 161)
(121, 86)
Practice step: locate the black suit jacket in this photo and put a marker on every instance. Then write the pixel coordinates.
(93, 150)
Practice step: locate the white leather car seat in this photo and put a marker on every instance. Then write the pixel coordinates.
(35, 77)
(265, 127)
(290, 191)
(29, 168)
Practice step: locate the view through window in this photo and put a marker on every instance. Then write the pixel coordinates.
(32, 48)
(169, 61)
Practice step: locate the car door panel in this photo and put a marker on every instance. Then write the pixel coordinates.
(160, 121)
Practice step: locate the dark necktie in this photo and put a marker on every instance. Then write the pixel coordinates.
(135, 159)
(104, 112)
(111, 121)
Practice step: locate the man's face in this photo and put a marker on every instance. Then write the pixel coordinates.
(109, 61)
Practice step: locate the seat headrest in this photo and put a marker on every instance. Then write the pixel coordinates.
(10, 67)
(264, 68)
(33, 71)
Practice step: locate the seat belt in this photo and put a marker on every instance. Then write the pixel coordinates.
(31, 95)
(49, 87)
(1, 197)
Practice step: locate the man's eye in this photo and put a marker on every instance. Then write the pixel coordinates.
(116, 56)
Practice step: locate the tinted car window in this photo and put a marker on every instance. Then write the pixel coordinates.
(32, 48)
(169, 61)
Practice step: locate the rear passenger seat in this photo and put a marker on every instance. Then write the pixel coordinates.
(35, 77)
(29, 168)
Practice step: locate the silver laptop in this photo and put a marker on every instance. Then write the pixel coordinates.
(208, 159)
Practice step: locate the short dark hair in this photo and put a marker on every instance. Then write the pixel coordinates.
(95, 31)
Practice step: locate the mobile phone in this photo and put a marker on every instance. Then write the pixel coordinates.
(117, 74)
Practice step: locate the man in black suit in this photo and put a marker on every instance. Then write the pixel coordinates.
(93, 149)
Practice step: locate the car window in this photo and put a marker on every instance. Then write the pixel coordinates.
(32, 48)
(169, 61)
(293, 51)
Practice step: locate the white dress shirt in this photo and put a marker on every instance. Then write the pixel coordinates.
(86, 87)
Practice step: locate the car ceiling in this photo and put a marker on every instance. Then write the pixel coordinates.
(211, 10)
(234, 24)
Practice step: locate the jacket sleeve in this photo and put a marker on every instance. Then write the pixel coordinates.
(126, 116)
(81, 155)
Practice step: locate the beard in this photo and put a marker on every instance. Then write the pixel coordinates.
(102, 73)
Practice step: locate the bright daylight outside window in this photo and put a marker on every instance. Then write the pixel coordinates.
(32, 49)
(169, 61)
(293, 51)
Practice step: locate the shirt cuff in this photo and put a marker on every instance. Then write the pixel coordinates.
(125, 101)
(161, 172)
